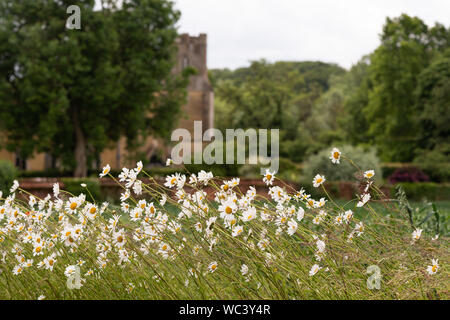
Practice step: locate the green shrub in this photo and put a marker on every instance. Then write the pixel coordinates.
(48, 173)
(424, 191)
(435, 163)
(8, 173)
(321, 164)
(73, 185)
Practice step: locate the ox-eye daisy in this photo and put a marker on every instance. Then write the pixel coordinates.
(364, 199)
(139, 167)
(212, 266)
(237, 230)
(416, 234)
(268, 177)
(315, 268)
(318, 180)
(227, 208)
(249, 214)
(292, 227)
(434, 267)
(335, 155)
(105, 171)
(14, 187)
(369, 174)
(172, 180)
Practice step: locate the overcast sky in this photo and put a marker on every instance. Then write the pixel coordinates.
(339, 31)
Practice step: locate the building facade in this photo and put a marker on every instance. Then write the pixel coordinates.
(192, 52)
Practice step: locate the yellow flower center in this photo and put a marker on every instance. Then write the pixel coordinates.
(93, 210)
(336, 155)
(73, 206)
(228, 210)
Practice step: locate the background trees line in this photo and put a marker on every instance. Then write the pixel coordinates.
(72, 93)
(396, 99)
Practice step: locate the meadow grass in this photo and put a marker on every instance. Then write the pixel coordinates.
(172, 242)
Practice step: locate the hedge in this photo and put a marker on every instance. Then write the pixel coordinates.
(7, 174)
(73, 185)
(424, 190)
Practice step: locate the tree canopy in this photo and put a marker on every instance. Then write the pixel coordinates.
(396, 98)
(70, 93)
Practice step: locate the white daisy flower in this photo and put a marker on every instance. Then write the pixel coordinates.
(335, 156)
(434, 267)
(369, 174)
(318, 180)
(364, 199)
(105, 171)
(416, 234)
(212, 266)
(292, 227)
(268, 177)
(314, 269)
(14, 187)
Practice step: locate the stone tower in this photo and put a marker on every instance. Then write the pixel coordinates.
(192, 51)
(200, 104)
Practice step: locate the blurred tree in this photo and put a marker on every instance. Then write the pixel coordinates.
(72, 92)
(433, 118)
(272, 96)
(407, 47)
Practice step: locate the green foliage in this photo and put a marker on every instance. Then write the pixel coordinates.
(435, 163)
(321, 164)
(419, 191)
(433, 104)
(272, 96)
(73, 185)
(7, 174)
(49, 173)
(62, 90)
(408, 45)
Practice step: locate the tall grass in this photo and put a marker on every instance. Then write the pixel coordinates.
(156, 259)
